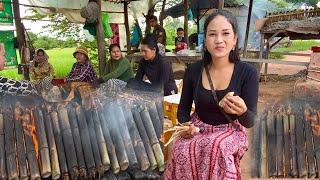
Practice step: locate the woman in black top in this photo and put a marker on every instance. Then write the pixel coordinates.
(155, 68)
(215, 152)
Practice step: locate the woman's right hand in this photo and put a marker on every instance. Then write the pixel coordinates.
(190, 132)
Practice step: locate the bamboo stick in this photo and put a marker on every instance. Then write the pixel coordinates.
(144, 137)
(309, 145)
(110, 145)
(52, 146)
(3, 172)
(122, 125)
(271, 145)
(68, 141)
(77, 141)
(294, 170)
(116, 137)
(287, 149)
(45, 166)
(30, 146)
(85, 140)
(59, 142)
(139, 149)
(153, 138)
(279, 147)
(101, 141)
(302, 171)
(94, 142)
(316, 140)
(12, 167)
(21, 154)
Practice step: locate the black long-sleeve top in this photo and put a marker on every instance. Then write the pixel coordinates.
(159, 73)
(244, 83)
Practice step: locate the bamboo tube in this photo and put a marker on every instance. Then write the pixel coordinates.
(68, 141)
(302, 171)
(287, 149)
(316, 140)
(3, 172)
(52, 146)
(144, 137)
(136, 139)
(101, 141)
(77, 141)
(263, 149)
(158, 127)
(294, 171)
(94, 142)
(110, 145)
(45, 166)
(59, 141)
(309, 145)
(12, 167)
(21, 155)
(30, 146)
(85, 140)
(153, 138)
(116, 137)
(122, 125)
(279, 147)
(271, 145)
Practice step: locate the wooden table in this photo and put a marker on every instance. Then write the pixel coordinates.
(191, 57)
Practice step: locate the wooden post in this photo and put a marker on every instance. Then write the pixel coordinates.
(247, 29)
(186, 7)
(221, 4)
(101, 42)
(19, 27)
(162, 12)
(126, 23)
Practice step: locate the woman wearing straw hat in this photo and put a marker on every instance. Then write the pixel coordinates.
(82, 70)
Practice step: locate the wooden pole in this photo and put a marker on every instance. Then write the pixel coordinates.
(247, 29)
(221, 4)
(19, 27)
(186, 7)
(162, 12)
(101, 42)
(126, 23)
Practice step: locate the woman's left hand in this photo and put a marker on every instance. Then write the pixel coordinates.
(234, 105)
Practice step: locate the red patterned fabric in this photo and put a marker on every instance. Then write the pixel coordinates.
(213, 154)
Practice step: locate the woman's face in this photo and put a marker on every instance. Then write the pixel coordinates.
(148, 54)
(220, 37)
(2, 58)
(41, 56)
(81, 58)
(116, 53)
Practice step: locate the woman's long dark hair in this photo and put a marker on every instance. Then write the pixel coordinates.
(151, 41)
(110, 64)
(234, 54)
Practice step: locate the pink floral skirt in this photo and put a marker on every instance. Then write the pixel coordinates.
(213, 154)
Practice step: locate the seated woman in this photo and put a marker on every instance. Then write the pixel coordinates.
(40, 67)
(118, 66)
(82, 70)
(13, 87)
(157, 70)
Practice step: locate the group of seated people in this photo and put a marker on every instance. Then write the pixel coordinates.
(152, 67)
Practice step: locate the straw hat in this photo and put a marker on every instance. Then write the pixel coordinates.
(82, 50)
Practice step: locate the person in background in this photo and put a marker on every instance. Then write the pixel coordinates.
(180, 41)
(215, 149)
(82, 70)
(158, 30)
(40, 67)
(118, 66)
(157, 70)
(13, 87)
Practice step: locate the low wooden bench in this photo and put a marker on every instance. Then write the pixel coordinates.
(285, 143)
